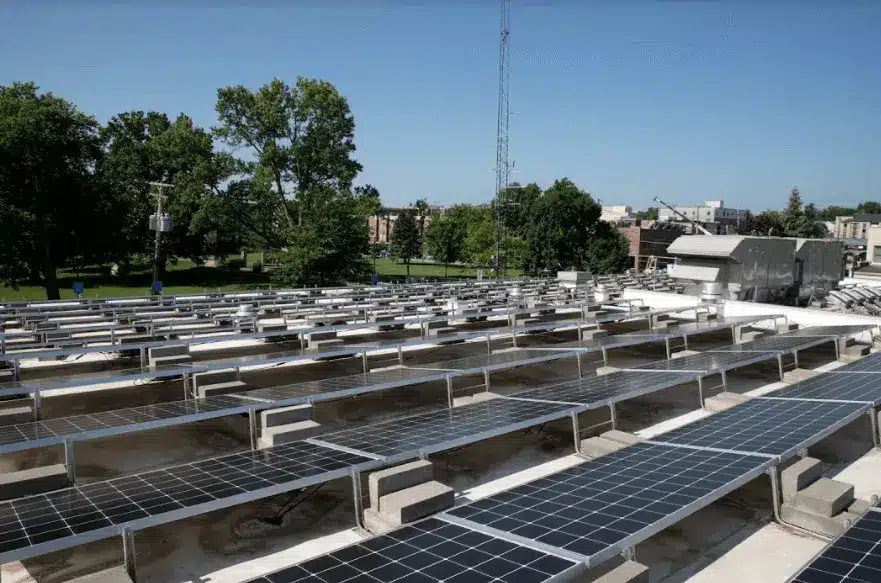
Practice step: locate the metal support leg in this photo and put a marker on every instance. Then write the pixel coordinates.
(489, 348)
(795, 357)
(613, 416)
(143, 358)
(700, 390)
(873, 419)
(36, 396)
(605, 357)
(685, 341)
(450, 391)
(775, 491)
(667, 345)
(400, 356)
(302, 336)
(724, 380)
(68, 461)
(365, 367)
(186, 383)
(580, 335)
(486, 379)
(580, 369)
(514, 338)
(733, 334)
(576, 431)
(358, 499)
(128, 553)
(252, 427)
(780, 365)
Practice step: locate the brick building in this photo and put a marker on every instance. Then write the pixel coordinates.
(646, 242)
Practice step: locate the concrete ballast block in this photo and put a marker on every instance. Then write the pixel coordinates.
(724, 400)
(829, 526)
(824, 497)
(226, 388)
(15, 415)
(398, 478)
(285, 415)
(33, 481)
(272, 436)
(114, 575)
(416, 502)
(599, 446)
(622, 437)
(799, 476)
(629, 572)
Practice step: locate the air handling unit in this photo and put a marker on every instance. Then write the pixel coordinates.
(734, 267)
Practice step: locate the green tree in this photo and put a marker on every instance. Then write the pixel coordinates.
(444, 239)
(869, 208)
(49, 202)
(764, 224)
(422, 213)
(649, 214)
(799, 221)
(830, 212)
(330, 245)
(518, 201)
(405, 243)
(566, 233)
(146, 147)
(300, 137)
(369, 204)
(480, 245)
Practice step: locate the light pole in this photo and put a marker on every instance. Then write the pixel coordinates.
(161, 224)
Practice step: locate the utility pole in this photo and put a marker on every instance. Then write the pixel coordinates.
(502, 169)
(161, 224)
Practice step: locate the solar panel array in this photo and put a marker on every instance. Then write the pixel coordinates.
(837, 331)
(434, 430)
(867, 364)
(40, 433)
(430, 551)
(706, 362)
(600, 507)
(596, 391)
(41, 523)
(841, 386)
(773, 427)
(777, 344)
(855, 557)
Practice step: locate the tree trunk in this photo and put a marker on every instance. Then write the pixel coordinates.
(34, 273)
(49, 275)
(284, 203)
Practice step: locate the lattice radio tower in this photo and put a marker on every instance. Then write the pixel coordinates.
(502, 168)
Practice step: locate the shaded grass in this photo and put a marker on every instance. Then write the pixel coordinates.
(187, 278)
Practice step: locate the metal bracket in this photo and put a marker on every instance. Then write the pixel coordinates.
(69, 461)
(629, 554)
(128, 553)
(576, 431)
(252, 427)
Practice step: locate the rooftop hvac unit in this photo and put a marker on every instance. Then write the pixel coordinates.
(163, 222)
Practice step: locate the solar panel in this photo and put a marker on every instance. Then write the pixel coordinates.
(838, 331)
(601, 507)
(774, 427)
(64, 518)
(91, 425)
(596, 391)
(776, 344)
(855, 557)
(838, 387)
(868, 364)
(433, 431)
(707, 362)
(502, 359)
(336, 387)
(101, 377)
(430, 551)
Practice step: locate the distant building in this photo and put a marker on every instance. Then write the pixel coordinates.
(855, 227)
(381, 226)
(646, 242)
(615, 213)
(713, 215)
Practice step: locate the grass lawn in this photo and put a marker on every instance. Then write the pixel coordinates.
(185, 277)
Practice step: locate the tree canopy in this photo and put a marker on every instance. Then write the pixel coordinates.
(406, 242)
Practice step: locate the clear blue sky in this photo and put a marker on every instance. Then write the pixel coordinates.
(694, 100)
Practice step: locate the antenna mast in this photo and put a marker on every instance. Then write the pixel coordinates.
(502, 168)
